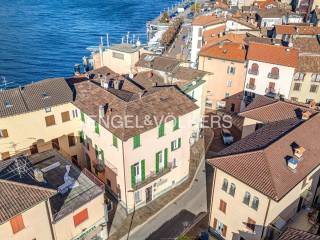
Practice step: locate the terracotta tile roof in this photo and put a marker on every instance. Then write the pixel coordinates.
(309, 64)
(297, 234)
(207, 20)
(307, 45)
(148, 79)
(156, 62)
(35, 96)
(226, 51)
(213, 32)
(265, 40)
(273, 54)
(297, 30)
(265, 169)
(264, 4)
(16, 198)
(157, 102)
(266, 111)
(228, 37)
(271, 13)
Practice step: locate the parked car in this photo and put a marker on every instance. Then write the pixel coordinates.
(227, 137)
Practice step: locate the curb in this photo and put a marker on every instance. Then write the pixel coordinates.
(169, 203)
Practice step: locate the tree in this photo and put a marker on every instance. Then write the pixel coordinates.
(195, 7)
(164, 17)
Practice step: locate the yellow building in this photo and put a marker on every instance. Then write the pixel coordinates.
(267, 181)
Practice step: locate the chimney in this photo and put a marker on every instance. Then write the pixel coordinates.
(292, 163)
(116, 84)
(306, 115)
(38, 175)
(298, 152)
(102, 111)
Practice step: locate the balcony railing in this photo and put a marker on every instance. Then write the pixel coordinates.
(250, 86)
(153, 176)
(273, 76)
(253, 72)
(270, 90)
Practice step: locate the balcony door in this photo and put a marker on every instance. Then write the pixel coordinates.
(148, 194)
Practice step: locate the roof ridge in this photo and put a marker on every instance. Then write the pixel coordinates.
(28, 186)
(258, 107)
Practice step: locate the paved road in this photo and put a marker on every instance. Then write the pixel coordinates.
(194, 201)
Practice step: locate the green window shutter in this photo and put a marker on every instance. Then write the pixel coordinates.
(176, 124)
(133, 176)
(96, 128)
(166, 158)
(96, 151)
(82, 117)
(102, 155)
(179, 142)
(114, 141)
(157, 162)
(81, 136)
(136, 141)
(172, 146)
(161, 130)
(143, 170)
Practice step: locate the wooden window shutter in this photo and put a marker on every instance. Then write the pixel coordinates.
(96, 128)
(4, 133)
(114, 141)
(179, 142)
(166, 158)
(223, 206)
(80, 217)
(65, 116)
(17, 224)
(157, 162)
(133, 176)
(215, 223)
(82, 117)
(143, 170)
(224, 231)
(50, 120)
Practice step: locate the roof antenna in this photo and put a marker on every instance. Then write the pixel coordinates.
(128, 34)
(108, 44)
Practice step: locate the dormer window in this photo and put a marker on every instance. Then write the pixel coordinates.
(8, 104)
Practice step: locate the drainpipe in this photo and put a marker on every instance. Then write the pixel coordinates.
(124, 176)
(265, 218)
(212, 193)
(49, 220)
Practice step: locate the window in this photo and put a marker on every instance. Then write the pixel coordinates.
(232, 189)
(55, 144)
(274, 73)
(65, 116)
(101, 156)
(314, 88)
(315, 77)
(251, 224)
(298, 76)
(176, 144)
(50, 121)
(71, 140)
(118, 55)
(294, 99)
(74, 160)
(229, 83)
(96, 128)
(137, 173)
(219, 227)
(161, 130)
(297, 87)
(199, 43)
(176, 124)
(136, 141)
(114, 141)
(81, 136)
(254, 69)
(161, 160)
(252, 84)
(225, 185)
(17, 224)
(255, 203)
(5, 155)
(227, 95)
(74, 113)
(137, 196)
(80, 217)
(82, 117)
(231, 70)
(246, 199)
(223, 206)
(4, 133)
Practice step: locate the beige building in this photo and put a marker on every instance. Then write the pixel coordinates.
(45, 197)
(226, 62)
(136, 140)
(252, 197)
(38, 117)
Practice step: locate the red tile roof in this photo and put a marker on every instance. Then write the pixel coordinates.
(207, 20)
(273, 54)
(297, 30)
(297, 234)
(226, 51)
(265, 168)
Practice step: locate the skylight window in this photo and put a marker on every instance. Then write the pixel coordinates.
(45, 95)
(8, 104)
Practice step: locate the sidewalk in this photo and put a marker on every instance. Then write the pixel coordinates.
(137, 220)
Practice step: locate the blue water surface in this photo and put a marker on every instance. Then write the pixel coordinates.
(45, 38)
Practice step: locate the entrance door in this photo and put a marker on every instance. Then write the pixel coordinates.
(148, 194)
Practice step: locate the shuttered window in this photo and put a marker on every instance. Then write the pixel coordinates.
(65, 116)
(176, 124)
(161, 130)
(136, 141)
(4, 133)
(176, 144)
(80, 217)
(114, 141)
(133, 176)
(96, 128)
(82, 117)
(17, 224)
(223, 206)
(50, 121)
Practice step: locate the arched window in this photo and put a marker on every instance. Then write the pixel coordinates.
(255, 203)
(232, 189)
(225, 185)
(246, 199)
(254, 69)
(274, 73)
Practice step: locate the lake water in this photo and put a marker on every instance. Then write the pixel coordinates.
(45, 38)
